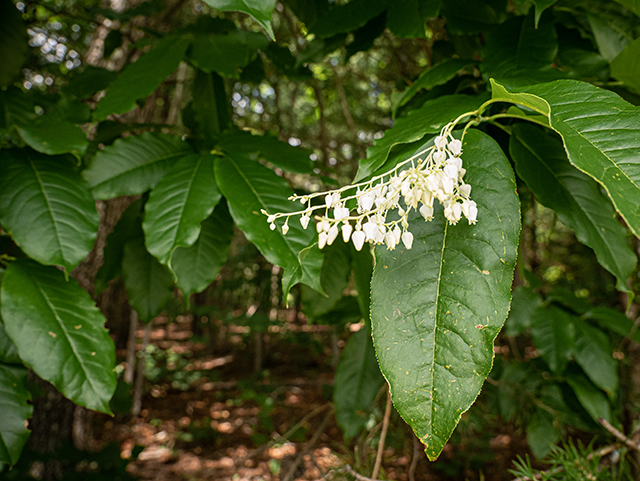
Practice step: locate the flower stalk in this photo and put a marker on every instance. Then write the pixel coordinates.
(433, 174)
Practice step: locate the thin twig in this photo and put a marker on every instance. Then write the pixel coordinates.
(414, 461)
(618, 435)
(356, 475)
(314, 439)
(383, 435)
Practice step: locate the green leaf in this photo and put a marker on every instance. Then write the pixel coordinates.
(601, 134)
(89, 81)
(437, 308)
(148, 283)
(540, 7)
(468, 16)
(356, 384)
(541, 433)
(593, 353)
(347, 17)
(16, 411)
(59, 333)
(437, 75)
(428, 119)
(334, 278)
(260, 10)
(592, 399)
(46, 207)
(141, 78)
(210, 53)
(553, 333)
(525, 61)
(134, 164)
(14, 42)
(633, 5)
(197, 266)
(406, 18)
(523, 304)
(614, 320)
(362, 272)
(53, 135)
(184, 197)
(280, 154)
(249, 187)
(308, 11)
(626, 65)
(542, 163)
(128, 228)
(8, 350)
(210, 108)
(609, 39)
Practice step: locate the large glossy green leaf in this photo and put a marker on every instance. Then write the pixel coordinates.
(89, 81)
(210, 53)
(592, 399)
(261, 10)
(406, 18)
(592, 351)
(280, 154)
(148, 283)
(14, 42)
(197, 266)
(184, 197)
(553, 334)
(141, 78)
(626, 65)
(59, 333)
(134, 165)
(356, 384)
(428, 119)
(208, 119)
(15, 410)
(541, 433)
(517, 53)
(8, 351)
(437, 308)
(53, 135)
(46, 207)
(609, 39)
(542, 163)
(600, 131)
(347, 17)
(437, 75)
(250, 187)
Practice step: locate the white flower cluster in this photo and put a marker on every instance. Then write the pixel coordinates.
(439, 176)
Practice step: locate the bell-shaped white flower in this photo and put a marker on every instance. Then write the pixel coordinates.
(455, 147)
(304, 221)
(439, 156)
(451, 171)
(346, 232)
(426, 212)
(285, 229)
(390, 240)
(473, 212)
(370, 229)
(407, 239)
(397, 233)
(358, 239)
(440, 141)
(333, 234)
(366, 202)
(447, 185)
(322, 239)
(465, 190)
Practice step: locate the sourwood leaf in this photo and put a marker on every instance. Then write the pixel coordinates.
(46, 207)
(210, 53)
(439, 74)
(8, 350)
(183, 198)
(437, 308)
(600, 132)
(59, 332)
(406, 18)
(260, 10)
(347, 17)
(524, 61)
(541, 433)
(250, 187)
(593, 352)
(133, 165)
(356, 384)
(626, 65)
(139, 79)
(148, 283)
(593, 400)
(14, 42)
(198, 265)
(553, 333)
(16, 411)
(53, 135)
(542, 163)
(428, 119)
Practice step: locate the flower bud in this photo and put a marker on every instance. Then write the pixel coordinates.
(407, 239)
(358, 239)
(455, 147)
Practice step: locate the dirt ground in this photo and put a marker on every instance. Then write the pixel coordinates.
(206, 416)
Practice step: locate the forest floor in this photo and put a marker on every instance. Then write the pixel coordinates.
(206, 415)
